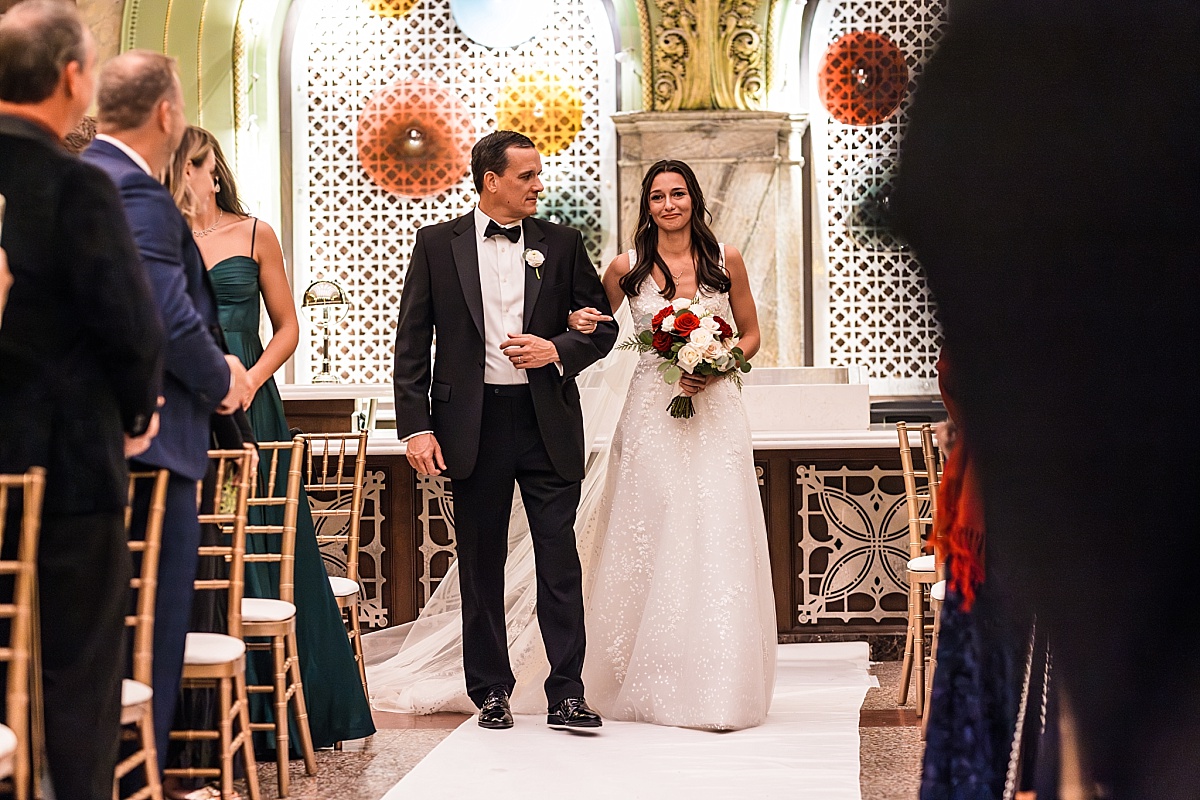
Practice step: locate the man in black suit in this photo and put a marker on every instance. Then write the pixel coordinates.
(1050, 185)
(141, 122)
(80, 362)
(497, 286)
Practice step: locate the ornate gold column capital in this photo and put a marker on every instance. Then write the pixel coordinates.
(706, 54)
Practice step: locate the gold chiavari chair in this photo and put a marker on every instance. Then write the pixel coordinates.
(216, 660)
(334, 479)
(274, 619)
(137, 696)
(15, 745)
(921, 569)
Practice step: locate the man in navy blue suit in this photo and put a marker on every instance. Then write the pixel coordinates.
(141, 122)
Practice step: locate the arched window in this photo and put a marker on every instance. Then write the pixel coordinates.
(385, 98)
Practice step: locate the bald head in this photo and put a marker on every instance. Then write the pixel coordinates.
(39, 39)
(132, 86)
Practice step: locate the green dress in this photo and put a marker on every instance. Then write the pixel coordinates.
(337, 709)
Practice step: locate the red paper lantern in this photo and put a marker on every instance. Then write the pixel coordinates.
(415, 137)
(863, 78)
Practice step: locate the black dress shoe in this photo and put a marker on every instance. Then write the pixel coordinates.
(573, 712)
(495, 712)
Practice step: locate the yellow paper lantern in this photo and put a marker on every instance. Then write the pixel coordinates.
(544, 106)
(391, 8)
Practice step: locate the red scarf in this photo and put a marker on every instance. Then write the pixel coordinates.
(959, 523)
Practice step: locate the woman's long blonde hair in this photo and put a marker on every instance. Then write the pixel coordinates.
(194, 149)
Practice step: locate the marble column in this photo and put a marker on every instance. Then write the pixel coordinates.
(749, 164)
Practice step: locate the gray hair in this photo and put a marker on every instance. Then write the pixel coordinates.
(38, 39)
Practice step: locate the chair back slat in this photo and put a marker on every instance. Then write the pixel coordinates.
(145, 580)
(224, 505)
(933, 474)
(338, 495)
(21, 496)
(914, 498)
(280, 458)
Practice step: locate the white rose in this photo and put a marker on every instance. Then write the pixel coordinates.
(710, 324)
(668, 324)
(534, 258)
(712, 351)
(700, 337)
(688, 358)
(680, 303)
(698, 310)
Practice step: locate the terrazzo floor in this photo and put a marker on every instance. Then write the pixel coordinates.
(890, 745)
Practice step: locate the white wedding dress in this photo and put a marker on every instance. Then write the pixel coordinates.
(680, 611)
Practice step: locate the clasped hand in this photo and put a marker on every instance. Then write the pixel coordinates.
(527, 351)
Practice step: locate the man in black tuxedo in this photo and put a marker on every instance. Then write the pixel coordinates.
(141, 122)
(80, 363)
(1050, 185)
(501, 405)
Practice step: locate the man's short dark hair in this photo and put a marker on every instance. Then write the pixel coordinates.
(131, 86)
(38, 39)
(490, 154)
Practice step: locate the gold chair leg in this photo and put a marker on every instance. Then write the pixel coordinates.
(358, 652)
(247, 738)
(225, 731)
(909, 643)
(919, 653)
(936, 609)
(278, 660)
(301, 706)
(150, 765)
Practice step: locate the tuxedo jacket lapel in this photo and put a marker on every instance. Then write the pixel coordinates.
(535, 239)
(466, 261)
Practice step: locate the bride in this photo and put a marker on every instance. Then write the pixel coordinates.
(679, 606)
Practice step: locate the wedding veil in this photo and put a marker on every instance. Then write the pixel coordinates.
(417, 667)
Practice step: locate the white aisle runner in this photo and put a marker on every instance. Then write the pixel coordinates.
(807, 748)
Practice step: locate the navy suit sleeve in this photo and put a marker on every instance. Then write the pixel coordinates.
(414, 341)
(109, 282)
(193, 356)
(578, 351)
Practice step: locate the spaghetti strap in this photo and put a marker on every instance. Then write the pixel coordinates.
(254, 232)
(721, 247)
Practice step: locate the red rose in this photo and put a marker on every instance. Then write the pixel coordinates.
(663, 341)
(726, 331)
(686, 322)
(660, 316)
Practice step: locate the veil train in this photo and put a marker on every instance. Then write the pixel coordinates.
(416, 668)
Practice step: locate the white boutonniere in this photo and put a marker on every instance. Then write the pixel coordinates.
(534, 258)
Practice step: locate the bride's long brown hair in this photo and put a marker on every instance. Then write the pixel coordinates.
(706, 251)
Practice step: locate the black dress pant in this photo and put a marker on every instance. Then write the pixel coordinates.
(83, 574)
(511, 450)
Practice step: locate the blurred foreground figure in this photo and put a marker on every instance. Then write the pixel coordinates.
(1050, 186)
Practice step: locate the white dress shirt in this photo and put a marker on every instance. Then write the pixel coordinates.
(502, 279)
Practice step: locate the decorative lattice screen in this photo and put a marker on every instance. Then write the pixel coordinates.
(877, 309)
(347, 229)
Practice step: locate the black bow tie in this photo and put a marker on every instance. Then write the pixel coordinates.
(512, 234)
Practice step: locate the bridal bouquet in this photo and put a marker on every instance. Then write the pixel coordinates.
(689, 338)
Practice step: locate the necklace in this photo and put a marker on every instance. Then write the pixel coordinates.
(210, 228)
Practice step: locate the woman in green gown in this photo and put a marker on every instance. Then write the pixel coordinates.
(245, 264)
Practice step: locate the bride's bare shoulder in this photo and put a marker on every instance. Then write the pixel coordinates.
(619, 266)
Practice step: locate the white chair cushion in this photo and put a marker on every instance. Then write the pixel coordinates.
(938, 591)
(212, 648)
(8, 742)
(134, 693)
(343, 587)
(262, 609)
(922, 564)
